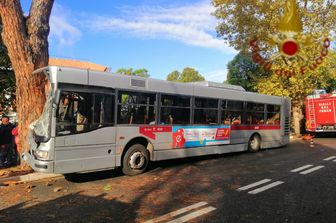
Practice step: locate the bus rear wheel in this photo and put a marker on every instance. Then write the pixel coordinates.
(136, 160)
(254, 143)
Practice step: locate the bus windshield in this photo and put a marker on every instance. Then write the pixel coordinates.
(41, 127)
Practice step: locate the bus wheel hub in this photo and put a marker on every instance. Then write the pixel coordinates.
(137, 160)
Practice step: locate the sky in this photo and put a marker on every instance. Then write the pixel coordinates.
(159, 35)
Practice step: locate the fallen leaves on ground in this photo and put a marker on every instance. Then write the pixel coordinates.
(107, 187)
(14, 171)
(57, 189)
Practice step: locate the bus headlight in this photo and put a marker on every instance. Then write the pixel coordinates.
(42, 154)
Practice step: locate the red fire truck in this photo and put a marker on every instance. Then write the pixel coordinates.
(321, 112)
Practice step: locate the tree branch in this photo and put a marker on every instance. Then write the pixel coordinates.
(38, 31)
(14, 32)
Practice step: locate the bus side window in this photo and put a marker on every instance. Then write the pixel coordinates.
(135, 107)
(206, 111)
(232, 112)
(273, 115)
(103, 110)
(83, 112)
(64, 115)
(175, 109)
(74, 113)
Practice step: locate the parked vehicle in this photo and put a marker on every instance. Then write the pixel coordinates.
(96, 120)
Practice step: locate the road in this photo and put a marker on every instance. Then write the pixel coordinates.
(291, 184)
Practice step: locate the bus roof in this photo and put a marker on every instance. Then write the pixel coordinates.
(70, 75)
(219, 85)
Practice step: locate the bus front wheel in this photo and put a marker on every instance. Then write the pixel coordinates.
(136, 160)
(254, 143)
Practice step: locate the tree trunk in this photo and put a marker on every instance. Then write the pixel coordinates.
(297, 118)
(26, 40)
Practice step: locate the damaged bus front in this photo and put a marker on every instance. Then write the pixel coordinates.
(40, 155)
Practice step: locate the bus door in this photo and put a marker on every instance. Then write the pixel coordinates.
(85, 132)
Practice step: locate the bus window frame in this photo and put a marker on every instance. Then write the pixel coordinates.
(92, 90)
(246, 112)
(225, 109)
(274, 113)
(177, 95)
(117, 103)
(194, 108)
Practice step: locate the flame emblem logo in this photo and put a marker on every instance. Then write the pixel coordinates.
(291, 44)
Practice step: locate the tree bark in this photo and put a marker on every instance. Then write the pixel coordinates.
(297, 118)
(26, 40)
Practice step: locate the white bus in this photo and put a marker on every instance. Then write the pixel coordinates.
(97, 120)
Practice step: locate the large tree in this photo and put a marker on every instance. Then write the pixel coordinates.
(244, 21)
(187, 75)
(7, 80)
(26, 39)
(244, 72)
(299, 86)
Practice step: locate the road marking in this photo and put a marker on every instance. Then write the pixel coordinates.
(301, 168)
(266, 187)
(311, 170)
(334, 160)
(253, 184)
(177, 212)
(330, 158)
(193, 215)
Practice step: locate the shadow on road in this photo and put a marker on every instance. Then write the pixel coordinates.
(154, 166)
(177, 184)
(87, 177)
(70, 208)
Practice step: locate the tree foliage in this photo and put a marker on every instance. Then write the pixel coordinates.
(242, 21)
(243, 72)
(130, 71)
(7, 79)
(187, 75)
(299, 86)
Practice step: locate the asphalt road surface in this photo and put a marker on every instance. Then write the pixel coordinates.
(296, 183)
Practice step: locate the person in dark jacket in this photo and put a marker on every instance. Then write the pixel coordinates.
(6, 141)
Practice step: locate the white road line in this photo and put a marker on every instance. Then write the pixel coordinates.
(334, 160)
(253, 184)
(177, 212)
(301, 168)
(266, 187)
(193, 215)
(330, 158)
(311, 170)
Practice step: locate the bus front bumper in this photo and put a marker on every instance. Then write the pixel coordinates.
(38, 165)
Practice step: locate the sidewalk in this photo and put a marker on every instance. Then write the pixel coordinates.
(16, 174)
(29, 177)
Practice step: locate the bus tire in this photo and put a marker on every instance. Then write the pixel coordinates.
(254, 143)
(135, 160)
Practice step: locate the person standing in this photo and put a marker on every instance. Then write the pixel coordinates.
(16, 149)
(6, 141)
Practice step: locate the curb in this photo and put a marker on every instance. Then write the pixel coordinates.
(30, 177)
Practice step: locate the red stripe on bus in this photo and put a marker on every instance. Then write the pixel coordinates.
(254, 127)
(150, 131)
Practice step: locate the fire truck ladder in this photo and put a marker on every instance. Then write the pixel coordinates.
(311, 113)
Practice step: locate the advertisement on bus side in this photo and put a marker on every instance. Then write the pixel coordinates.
(193, 136)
